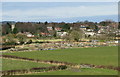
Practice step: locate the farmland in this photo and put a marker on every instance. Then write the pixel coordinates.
(106, 56)
(97, 56)
(8, 64)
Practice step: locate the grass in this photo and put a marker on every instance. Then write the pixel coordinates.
(92, 71)
(98, 55)
(8, 64)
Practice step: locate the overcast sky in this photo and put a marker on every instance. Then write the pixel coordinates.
(59, 11)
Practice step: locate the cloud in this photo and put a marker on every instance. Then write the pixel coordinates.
(59, 12)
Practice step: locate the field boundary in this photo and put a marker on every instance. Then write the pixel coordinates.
(32, 70)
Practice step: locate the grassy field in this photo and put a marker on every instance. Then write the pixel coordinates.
(8, 64)
(98, 55)
(92, 71)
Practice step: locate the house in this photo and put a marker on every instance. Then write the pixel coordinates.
(83, 28)
(103, 29)
(90, 33)
(89, 30)
(49, 28)
(62, 34)
(58, 28)
(45, 34)
(28, 34)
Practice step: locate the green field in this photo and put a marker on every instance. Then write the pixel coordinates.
(92, 71)
(98, 55)
(8, 64)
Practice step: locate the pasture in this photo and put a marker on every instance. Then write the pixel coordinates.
(8, 64)
(97, 56)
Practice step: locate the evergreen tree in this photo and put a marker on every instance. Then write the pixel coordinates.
(15, 30)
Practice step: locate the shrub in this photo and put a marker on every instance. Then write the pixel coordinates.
(62, 67)
(29, 42)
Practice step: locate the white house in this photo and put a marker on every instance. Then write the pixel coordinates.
(83, 28)
(50, 28)
(90, 30)
(61, 34)
(90, 33)
(30, 35)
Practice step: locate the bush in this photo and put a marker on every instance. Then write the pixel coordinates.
(62, 67)
(29, 42)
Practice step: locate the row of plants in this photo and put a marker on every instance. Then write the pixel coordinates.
(101, 66)
(33, 70)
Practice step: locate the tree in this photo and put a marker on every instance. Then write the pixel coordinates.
(21, 38)
(74, 35)
(9, 39)
(106, 23)
(6, 28)
(54, 32)
(96, 28)
(15, 30)
(46, 23)
(66, 27)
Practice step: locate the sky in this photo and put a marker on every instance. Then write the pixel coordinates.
(59, 0)
(59, 11)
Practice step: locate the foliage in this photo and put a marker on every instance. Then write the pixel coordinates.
(6, 28)
(29, 42)
(65, 27)
(62, 67)
(74, 36)
(12, 39)
(21, 38)
(9, 39)
(15, 31)
(106, 23)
